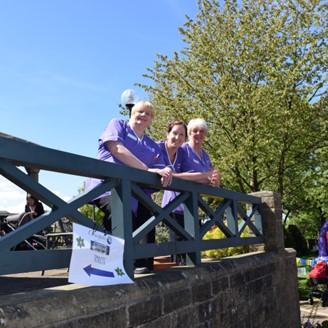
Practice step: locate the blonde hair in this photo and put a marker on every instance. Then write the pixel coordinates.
(146, 104)
(197, 123)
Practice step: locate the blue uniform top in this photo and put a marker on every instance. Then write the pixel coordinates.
(144, 148)
(186, 160)
(196, 163)
(180, 164)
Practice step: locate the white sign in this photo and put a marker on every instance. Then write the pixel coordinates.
(301, 271)
(97, 258)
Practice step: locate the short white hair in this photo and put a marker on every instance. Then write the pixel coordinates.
(146, 104)
(197, 123)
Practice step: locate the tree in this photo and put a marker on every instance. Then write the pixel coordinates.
(312, 210)
(256, 71)
(91, 211)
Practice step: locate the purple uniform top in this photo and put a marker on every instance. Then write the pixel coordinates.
(322, 244)
(179, 165)
(195, 163)
(145, 149)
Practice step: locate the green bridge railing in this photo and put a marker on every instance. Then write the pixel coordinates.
(232, 212)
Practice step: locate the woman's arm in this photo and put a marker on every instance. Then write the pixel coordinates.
(201, 177)
(166, 175)
(124, 155)
(39, 209)
(209, 177)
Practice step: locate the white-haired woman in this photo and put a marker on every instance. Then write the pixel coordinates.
(198, 158)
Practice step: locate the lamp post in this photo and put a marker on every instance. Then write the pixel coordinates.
(129, 99)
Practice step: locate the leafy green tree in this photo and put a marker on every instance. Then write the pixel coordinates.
(312, 210)
(91, 211)
(256, 70)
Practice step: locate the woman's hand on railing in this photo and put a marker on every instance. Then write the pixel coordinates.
(166, 175)
(214, 178)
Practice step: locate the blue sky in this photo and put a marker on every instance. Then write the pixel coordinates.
(64, 65)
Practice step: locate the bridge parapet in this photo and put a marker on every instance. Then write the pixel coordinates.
(231, 212)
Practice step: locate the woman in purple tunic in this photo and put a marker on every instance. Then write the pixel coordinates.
(197, 156)
(177, 157)
(323, 241)
(183, 168)
(124, 142)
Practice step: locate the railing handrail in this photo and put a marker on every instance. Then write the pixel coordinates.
(124, 181)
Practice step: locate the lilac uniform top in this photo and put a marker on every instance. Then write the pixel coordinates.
(191, 163)
(197, 164)
(145, 149)
(322, 244)
(179, 165)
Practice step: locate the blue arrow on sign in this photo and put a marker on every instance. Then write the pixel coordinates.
(97, 272)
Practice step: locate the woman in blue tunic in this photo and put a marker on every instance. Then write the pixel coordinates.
(183, 167)
(125, 143)
(198, 157)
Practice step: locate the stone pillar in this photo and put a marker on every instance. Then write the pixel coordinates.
(271, 212)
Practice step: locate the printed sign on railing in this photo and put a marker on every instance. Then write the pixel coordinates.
(97, 258)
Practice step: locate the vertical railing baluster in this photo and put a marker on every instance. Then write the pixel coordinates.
(231, 217)
(192, 224)
(122, 221)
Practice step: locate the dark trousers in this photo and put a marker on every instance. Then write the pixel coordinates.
(143, 214)
(178, 258)
(172, 235)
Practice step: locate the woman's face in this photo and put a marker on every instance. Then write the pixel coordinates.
(176, 137)
(142, 117)
(197, 135)
(30, 201)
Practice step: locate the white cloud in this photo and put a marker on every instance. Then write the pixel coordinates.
(12, 198)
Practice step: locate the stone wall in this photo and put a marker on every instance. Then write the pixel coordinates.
(254, 290)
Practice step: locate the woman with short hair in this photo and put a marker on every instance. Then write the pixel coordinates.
(199, 160)
(184, 167)
(124, 142)
(33, 209)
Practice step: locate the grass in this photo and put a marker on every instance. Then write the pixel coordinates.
(304, 287)
(304, 284)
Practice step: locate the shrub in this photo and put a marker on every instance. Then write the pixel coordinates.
(162, 233)
(216, 233)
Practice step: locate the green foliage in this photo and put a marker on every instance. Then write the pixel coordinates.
(308, 224)
(162, 233)
(92, 212)
(323, 324)
(304, 287)
(216, 233)
(311, 210)
(256, 71)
